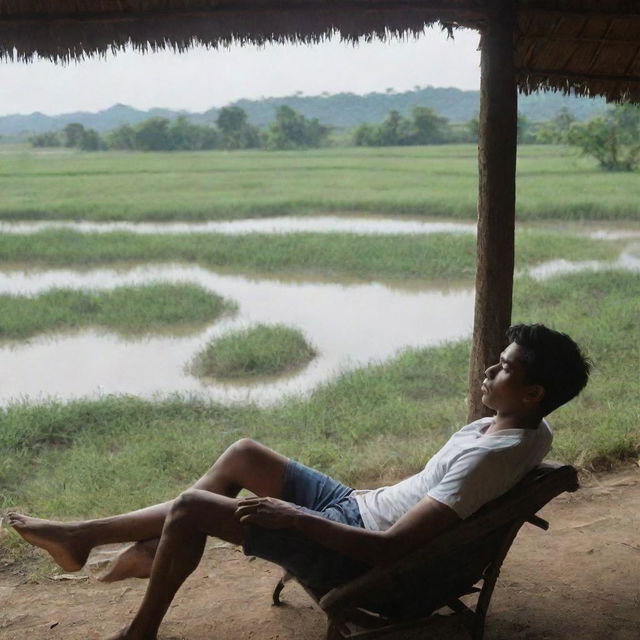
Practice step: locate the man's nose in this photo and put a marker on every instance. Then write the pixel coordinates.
(489, 371)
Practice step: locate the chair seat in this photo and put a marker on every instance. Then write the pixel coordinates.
(449, 567)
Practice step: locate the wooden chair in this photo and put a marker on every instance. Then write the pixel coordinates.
(464, 560)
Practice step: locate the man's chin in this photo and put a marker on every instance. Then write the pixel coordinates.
(485, 401)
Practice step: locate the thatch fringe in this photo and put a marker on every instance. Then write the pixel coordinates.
(612, 90)
(65, 40)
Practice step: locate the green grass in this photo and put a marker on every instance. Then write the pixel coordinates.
(374, 424)
(553, 182)
(260, 350)
(414, 256)
(135, 309)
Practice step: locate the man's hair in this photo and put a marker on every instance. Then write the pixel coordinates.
(552, 360)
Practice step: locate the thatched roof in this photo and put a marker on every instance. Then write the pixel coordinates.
(591, 47)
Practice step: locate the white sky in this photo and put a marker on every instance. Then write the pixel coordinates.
(199, 79)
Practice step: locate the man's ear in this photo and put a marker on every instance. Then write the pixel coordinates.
(534, 394)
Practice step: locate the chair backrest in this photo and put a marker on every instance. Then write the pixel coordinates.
(453, 562)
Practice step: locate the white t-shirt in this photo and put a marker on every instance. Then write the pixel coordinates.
(470, 470)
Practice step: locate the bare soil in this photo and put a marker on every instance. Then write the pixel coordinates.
(580, 579)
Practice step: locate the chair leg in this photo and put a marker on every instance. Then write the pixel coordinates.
(489, 583)
(279, 587)
(333, 631)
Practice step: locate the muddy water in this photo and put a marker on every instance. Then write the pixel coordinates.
(627, 260)
(349, 324)
(349, 223)
(366, 225)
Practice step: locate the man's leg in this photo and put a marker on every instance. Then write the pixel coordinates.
(192, 517)
(245, 464)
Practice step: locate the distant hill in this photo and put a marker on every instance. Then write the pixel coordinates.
(342, 110)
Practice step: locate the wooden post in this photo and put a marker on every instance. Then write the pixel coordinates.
(496, 198)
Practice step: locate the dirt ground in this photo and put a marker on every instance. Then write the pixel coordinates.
(580, 579)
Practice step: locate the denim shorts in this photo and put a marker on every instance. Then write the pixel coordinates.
(311, 563)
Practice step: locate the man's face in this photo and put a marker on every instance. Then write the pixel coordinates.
(504, 388)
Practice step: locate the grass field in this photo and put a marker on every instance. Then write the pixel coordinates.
(260, 350)
(83, 458)
(90, 458)
(553, 182)
(142, 309)
(335, 254)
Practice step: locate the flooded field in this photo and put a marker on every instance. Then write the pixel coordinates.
(349, 323)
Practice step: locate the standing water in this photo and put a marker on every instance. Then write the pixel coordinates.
(349, 325)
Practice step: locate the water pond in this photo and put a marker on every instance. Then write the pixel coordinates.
(349, 324)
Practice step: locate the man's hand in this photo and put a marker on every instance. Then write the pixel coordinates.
(269, 513)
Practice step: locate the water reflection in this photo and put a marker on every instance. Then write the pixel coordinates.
(349, 324)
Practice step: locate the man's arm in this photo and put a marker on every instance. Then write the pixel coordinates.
(418, 526)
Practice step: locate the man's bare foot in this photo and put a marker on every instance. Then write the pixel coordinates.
(57, 538)
(134, 562)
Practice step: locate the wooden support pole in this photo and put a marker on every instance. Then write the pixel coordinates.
(496, 197)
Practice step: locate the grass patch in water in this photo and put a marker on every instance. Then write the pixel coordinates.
(130, 309)
(261, 350)
(441, 255)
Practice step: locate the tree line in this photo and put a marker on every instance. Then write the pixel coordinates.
(613, 138)
(232, 130)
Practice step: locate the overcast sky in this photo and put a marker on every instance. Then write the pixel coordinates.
(200, 78)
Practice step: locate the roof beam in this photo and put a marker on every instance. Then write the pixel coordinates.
(550, 38)
(530, 10)
(448, 13)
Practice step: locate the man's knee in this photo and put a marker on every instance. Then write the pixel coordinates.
(184, 506)
(245, 447)
(241, 452)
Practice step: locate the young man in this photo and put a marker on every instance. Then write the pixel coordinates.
(321, 531)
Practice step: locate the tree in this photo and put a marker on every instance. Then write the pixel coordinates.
(428, 127)
(291, 130)
(123, 137)
(563, 119)
(48, 139)
(556, 130)
(613, 139)
(526, 130)
(208, 138)
(235, 129)
(395, 130)
(424, 127)
(473, 128)
(153, 135)
(364, 135)
(185, 135)
(73, 134)
(90, 140)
